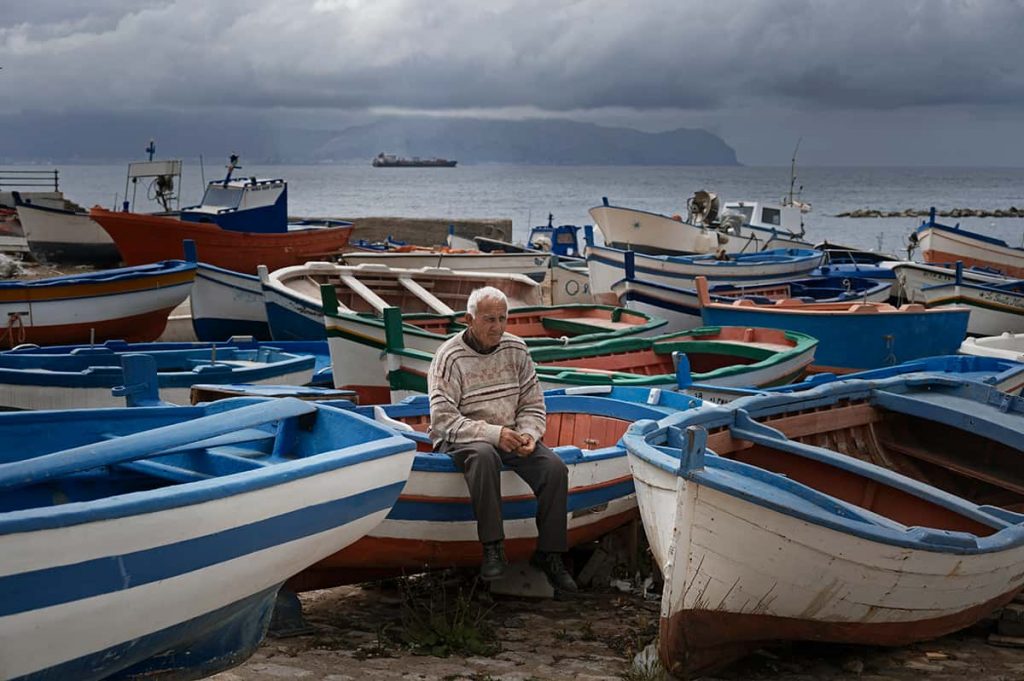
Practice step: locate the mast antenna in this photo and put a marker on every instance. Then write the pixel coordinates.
(792, 170)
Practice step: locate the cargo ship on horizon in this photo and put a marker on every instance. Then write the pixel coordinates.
(383, 160)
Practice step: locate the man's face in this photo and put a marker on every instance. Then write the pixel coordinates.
(489, 322)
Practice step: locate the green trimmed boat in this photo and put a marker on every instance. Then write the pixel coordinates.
(726, 356)
(357, 340)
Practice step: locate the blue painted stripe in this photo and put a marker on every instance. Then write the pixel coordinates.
(67, 583)
(163, 268)
(203, 645)
(510, 510)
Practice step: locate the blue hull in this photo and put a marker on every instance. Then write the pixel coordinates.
(195, 649)
(849, 342)
(216, 330)
(288, 325)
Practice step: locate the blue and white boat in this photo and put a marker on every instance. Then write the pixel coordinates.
(70, 376)
(432, 525)
(608, 265)
(742, 225)
(770, 520)
(853, 335)
(226, 303)
(681, 307)
(1002, 373)
(150, 542)
(996, 308)
(295, 309)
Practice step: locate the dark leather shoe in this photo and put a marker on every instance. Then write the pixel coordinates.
(494, 563)
(554, 569)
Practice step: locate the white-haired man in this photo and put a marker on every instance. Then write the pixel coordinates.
(487, 410)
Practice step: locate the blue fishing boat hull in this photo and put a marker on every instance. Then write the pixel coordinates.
(850, 341)
(151, 542)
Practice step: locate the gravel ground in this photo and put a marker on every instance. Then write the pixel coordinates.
(594, 637)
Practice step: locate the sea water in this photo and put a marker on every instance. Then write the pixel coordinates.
(526, 194)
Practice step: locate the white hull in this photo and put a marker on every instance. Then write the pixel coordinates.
(993, 312)
(733, 565)
(29, 640)
(570, 285)
(775, 374)
(62, 227)
(607, 266)
(913, 277)
(451, 487)
(63, 312)
(221, 296)
(1004, 345)
(627, 228)
(946, 246)
(535, 266)
(19, 396)
(294, 304)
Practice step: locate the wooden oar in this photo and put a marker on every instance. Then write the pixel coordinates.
(147, 443)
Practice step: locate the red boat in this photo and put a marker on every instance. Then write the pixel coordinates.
(241, 224)
(149, 238)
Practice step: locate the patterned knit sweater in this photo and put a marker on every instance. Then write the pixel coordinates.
(473, 394)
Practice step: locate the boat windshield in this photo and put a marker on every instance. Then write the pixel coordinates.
(218, 196)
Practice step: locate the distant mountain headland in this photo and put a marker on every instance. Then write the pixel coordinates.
(531, 141)
(98, 137)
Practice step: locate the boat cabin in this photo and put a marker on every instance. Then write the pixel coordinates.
(561, 240)
(243, 205)
(768, 216)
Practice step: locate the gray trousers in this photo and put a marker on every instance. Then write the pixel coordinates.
(545, 473)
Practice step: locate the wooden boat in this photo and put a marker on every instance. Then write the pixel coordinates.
(183, 524)
(753, 227)
(766, 528)
(560, 240)
(727, 356)
(536, 266)
(1005, 375)
(130, 303)
(681, 306)
(839, 254)
(60, 235)
(239, 225)
(912, 277)
(432, 525)
(358, 340)
(944, 244)
(41, 187)
(65, 233)
(853, 336)
(65, 377)
(292, 295)
(225, 303)
(1008, 346)
(995, 309)
(609, 265)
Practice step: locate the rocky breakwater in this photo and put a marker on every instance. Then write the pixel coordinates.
(1011, 212)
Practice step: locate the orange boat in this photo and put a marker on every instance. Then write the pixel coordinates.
(149, 238)
(240, 225)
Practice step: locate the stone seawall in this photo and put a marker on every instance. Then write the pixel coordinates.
(428, 231)
(1011, 212)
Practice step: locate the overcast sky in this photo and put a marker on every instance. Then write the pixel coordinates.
(862, 82)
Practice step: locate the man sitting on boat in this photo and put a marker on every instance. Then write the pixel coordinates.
(487, 410)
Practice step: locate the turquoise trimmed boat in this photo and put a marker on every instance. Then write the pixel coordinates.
(357, 340)
(727, 356)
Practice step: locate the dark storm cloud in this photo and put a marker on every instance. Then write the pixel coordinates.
(553, 56)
